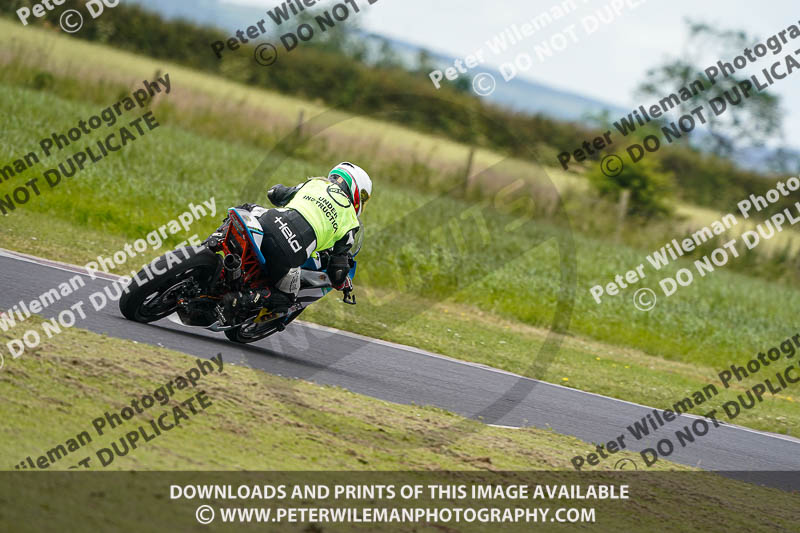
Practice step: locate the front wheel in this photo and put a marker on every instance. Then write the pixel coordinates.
(158, 297)
(251, 332)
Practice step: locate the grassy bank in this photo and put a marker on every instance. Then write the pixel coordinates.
(502, 285)
(264, 422)
(256, 421)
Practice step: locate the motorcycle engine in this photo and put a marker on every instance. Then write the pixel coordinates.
(197, 311)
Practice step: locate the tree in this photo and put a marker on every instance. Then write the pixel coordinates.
(387, 56)
(651, 188)
(424, 62)
(756, 120)
(786, 161)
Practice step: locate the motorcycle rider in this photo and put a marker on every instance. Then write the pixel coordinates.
(320, 214)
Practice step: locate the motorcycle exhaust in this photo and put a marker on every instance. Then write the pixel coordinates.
(233, 268)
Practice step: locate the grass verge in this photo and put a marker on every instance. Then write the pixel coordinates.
(271, 423)
(254, 422)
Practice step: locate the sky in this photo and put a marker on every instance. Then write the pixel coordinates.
(606, 64)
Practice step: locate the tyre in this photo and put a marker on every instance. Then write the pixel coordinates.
(248, 333)
(157, 298)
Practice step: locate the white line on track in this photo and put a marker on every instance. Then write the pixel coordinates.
(114, 277)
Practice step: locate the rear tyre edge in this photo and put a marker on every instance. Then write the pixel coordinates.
(130, 304)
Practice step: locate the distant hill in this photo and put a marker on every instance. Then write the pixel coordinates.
(518, 94)
(524, 95)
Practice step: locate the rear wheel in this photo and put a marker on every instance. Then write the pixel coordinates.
(251, 332)
(158, 297)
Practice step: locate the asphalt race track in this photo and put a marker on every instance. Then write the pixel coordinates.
(404, 375)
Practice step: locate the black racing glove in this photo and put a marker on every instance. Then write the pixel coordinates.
(338, 268)
(280, 195)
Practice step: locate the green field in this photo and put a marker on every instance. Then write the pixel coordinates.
(467, 278)
(255, 421)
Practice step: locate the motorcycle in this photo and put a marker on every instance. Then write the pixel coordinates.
(195, 286)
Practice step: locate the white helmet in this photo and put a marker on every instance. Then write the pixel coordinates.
(355, 181)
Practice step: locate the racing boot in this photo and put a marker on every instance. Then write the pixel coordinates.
(241, 305)
(237, 306)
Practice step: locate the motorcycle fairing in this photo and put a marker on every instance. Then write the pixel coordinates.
(249, 225)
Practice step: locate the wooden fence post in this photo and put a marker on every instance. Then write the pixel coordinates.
(300, 123)
(624, 200)
(468, 171)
